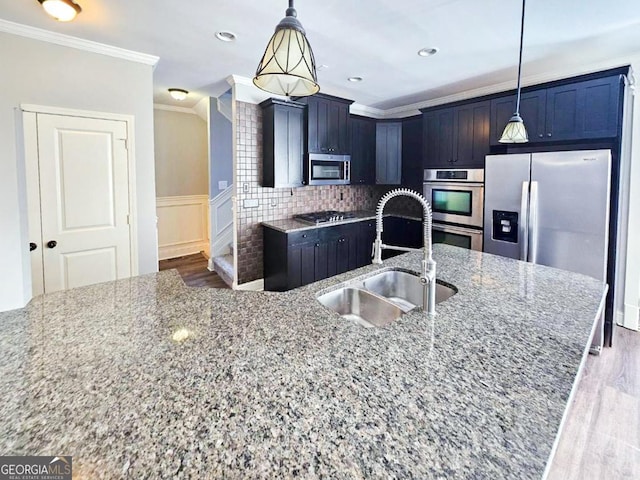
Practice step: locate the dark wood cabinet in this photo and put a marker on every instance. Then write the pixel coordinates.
(363, 151)
(388, 153)
(412, 171)
(328, 124)
(438, 138)
(402, 232)
(283, 143)
(532, 111)
(457, 137)
(364, 247)
(582, 110)
(299, 258)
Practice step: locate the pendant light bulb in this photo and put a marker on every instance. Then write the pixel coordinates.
(288, 66)
(515, 131)
(61, 10)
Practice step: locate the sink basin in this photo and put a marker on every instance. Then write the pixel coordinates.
(361, 307)
(404, 289)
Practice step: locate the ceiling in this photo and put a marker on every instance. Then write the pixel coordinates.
(377, 40)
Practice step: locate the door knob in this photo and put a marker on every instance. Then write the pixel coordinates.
(32, 246)
(52, 244)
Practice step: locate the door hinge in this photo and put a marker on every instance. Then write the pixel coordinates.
(128, 219)
(126, 143)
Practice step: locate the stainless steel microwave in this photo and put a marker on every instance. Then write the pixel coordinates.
(325, 169)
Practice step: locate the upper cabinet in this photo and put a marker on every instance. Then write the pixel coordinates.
(388, 153)
(456, 137)
(532, 110)
(363, 151)
(327, 124)
(283, 143)
(582, 110)
(412, 153)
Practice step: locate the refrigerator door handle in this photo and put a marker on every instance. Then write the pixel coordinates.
(533, 223)
(524, 220)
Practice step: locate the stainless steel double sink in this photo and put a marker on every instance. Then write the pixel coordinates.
(381, 299)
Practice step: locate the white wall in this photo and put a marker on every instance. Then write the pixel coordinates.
(220, 148)
(632, 271)
(40, 73)
(181, 154)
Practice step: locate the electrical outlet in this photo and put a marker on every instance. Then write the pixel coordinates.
(222, 185)
(245, 187)
(341, 196)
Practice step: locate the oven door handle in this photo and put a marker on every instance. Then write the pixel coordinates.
(523, 227)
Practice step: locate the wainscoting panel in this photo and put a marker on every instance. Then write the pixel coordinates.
(183, 225)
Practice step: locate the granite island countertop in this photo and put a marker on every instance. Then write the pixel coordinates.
(148, 378)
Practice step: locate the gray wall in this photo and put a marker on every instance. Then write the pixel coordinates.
(181, 153)
(36, 72)
(221, 147)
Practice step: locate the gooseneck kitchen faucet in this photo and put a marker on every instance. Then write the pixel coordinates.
(428, 274)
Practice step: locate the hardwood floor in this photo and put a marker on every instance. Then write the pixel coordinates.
(193, 270)
(601, 438)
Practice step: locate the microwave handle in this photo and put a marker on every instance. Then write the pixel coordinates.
(347, 172)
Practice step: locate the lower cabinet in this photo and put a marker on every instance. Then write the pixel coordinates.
(298, 258)
(401, 232)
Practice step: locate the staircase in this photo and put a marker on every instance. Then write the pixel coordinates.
(223, 266)
(221, 211)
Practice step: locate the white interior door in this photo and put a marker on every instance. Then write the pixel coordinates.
(84, 200)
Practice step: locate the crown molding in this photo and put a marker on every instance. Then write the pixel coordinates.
(245, 91)
(414, 108)
(173, 108)
(366, 111)
(75, 42)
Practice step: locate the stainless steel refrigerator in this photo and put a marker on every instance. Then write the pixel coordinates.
(551, 208)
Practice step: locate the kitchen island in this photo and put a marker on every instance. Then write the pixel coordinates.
(148, 378)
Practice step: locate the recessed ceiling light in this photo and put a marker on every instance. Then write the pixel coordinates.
(427, 52)
(225, 36)
(178, 93)
(355, 79)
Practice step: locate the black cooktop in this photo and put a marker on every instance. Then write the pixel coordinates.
(316, 218)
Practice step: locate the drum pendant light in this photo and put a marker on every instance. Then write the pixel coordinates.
(515, 131)
(288, 66)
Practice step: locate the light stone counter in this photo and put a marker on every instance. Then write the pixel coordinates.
(270, 385)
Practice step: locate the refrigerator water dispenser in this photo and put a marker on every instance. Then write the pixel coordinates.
(505, 226)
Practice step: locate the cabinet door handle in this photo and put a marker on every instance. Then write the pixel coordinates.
(548, 134)
(541, 135)
(52, 244)
(317, 245)
(32, 246)
(304, 235)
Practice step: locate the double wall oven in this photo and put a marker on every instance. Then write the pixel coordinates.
(457, 201)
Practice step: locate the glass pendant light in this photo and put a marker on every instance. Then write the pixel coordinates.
(287, 66)
(515, 131)
(61, 10)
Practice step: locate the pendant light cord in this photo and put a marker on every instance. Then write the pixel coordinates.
(520, 58)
